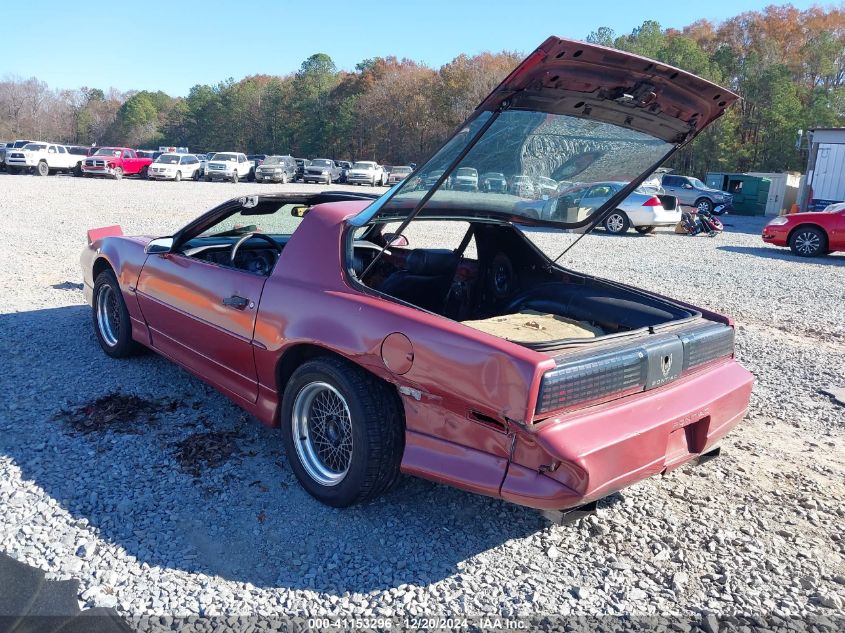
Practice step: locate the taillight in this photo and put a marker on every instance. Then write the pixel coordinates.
(654, 201)
(592, 378)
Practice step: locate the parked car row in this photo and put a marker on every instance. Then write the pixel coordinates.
(116, 162)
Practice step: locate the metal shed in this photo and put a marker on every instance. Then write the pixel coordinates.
(825, 183)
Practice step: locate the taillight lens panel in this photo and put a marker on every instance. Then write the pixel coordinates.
(603, 376)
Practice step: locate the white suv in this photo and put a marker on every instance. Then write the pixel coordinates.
(42, 159)
(174, 167)
(228, 166)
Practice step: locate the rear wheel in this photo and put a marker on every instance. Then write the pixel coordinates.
(617, 223)
(77, 171)
(111, 318)
(808, 241)
(43, 169)
(178, 176)
(343, 431)
(644, 230)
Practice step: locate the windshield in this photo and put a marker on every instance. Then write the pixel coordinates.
(34, 147)
(363, 165)
(271, 218)
(528, 146)
(107, 152)
(274, 160)
(698, 184)
(168, 159)
(401, 170)
(232, 158)
(321, 162)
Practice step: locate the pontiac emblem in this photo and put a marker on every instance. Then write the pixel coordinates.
(666, 364)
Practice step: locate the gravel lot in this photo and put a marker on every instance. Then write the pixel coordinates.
(759, 531)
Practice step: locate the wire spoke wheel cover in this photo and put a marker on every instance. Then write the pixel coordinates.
(322, 432)
(108, 315)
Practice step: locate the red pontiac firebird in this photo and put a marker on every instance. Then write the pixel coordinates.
(471, 359)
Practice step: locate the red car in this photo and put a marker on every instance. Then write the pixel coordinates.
(472, 359)
(116, 162)
(809, 234)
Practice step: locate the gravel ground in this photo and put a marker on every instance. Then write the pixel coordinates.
(131, 509)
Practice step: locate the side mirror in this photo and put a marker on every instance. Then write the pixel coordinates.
(159, 246)
(299, 211)
(391, 239)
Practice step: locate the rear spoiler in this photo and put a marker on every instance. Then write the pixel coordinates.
(106, 231)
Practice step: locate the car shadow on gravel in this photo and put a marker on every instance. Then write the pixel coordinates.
(243, 519)
(784, 254)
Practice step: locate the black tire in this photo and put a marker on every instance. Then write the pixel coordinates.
(42, 169)
(808, 241)
(377, 431)
(197, 175)
(13, 170)
(178, 176)
(208, 178)
(144, 173)
(644, 230)
(617, 223)
(119, 343)
(704, 204)
(77, 171)
(235, 178)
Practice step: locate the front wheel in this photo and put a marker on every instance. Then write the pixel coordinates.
(808, 241)
(617, 223)
(235, 178)
(284, 178)
(118, 173)
(343, 431)
(178, 176)
(111, 318)
(43, 169)
(644, 230)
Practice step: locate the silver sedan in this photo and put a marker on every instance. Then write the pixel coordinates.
(643, 210)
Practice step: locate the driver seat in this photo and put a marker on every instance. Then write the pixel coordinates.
(426, 278)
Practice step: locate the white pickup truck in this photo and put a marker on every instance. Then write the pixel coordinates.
(366, 172)
(43, 159)
(232, 166)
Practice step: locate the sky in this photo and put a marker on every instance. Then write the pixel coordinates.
(171, 46)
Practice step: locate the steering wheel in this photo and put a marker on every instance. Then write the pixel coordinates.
(249, 236)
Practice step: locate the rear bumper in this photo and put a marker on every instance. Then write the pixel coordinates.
(573, 460)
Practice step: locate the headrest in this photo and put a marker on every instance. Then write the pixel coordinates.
(431, 261)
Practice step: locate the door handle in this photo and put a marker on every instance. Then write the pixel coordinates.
(236, 302)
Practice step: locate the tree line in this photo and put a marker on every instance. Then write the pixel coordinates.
(788, 65)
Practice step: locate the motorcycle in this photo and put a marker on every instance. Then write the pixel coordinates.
(697, 221)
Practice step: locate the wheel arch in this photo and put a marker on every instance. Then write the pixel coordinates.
(808, 225)
(299, 353)
(101, 264)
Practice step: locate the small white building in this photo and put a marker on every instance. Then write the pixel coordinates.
(825, 182)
